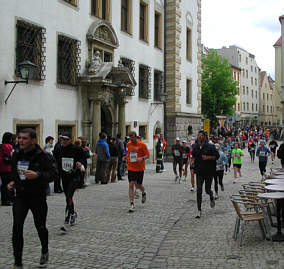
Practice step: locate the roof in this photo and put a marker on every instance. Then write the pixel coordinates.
(278, 43)
(262, 75)
(281, 17)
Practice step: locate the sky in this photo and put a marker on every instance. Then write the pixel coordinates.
(250, 24)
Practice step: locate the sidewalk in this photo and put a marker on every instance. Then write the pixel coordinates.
(161, 234)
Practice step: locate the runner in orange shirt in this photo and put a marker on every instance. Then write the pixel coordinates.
(137, 153)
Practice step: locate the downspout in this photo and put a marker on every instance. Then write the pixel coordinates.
(165, 63)
(281, 19)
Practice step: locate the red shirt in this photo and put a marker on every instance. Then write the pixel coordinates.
(7, 150)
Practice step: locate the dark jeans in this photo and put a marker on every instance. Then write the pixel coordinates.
(208, 181)
(262, 167)
(69, 187)
(101, 171)
(21, 206)
(218, 178)
(119, 168)
(5, 195)
(228, 164)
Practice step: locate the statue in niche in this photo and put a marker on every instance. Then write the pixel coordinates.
(120, 64)
(95, 63)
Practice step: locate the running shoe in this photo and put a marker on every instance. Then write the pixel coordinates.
(176, 178)
(192, 189)
(222, 188)
(73, 218)
(43, 260)
(216, 196)
(64, 227)
(212, 203)
(131, 209)
(198, 215)
(143, 197)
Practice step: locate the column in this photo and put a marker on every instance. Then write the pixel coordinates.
(121, 120)
(96, 126)
(85, 112)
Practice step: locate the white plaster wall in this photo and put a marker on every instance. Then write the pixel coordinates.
(189, 69)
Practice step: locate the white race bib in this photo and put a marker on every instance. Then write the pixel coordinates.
(133, 155)
(22, 166)
(177, 153)
(262, 153)
(67, 164)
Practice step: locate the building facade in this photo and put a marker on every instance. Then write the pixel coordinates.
(249, 86)
(102, 70)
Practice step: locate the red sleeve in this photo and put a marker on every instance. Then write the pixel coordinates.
(7, 149)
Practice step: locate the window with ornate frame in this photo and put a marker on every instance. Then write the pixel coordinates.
(158, 85)
(158, 30)
(144, 81)
(101, 9)
(143, 21)
(126, 16)
(189, 92)
(72, 2)
(68, 60)
(30, 46)
(188, 44)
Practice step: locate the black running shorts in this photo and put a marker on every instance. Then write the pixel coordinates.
(136, 176)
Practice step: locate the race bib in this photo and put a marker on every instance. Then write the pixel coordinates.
(133, 155)
(237, 155)
(184, 156)
(67, 164)
(22, 166)
(272, 146)
(177, 153)
(262, 153)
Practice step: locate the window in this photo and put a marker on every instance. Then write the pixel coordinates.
(31, 125)
(238, 106)
(143, 23)
(271, 109)
(144, 82)
(158, 30)
(263, 96)
(244, 90)
(255, 81)
(143, 131)
(256, 107)
(188, 44)
(244, 106)
(246, 73)
(252, 107)
(247, 106)
(158, 85)
(255, 94)
(101, 9)
(255, 70)
(126, 15)
(246, 60)
(68, 60)
(72, 2)
(267, 109)
(247, 90)
(240, 57)
(263, 108)
(251, 93)
(267, 97)
(127, 129)
(69, 127)
(189, 92)
(251, 69)
(31, 47)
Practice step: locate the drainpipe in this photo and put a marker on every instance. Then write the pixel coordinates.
(281, 19)
(165, 62)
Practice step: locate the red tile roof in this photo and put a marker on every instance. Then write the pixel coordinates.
(278, 43)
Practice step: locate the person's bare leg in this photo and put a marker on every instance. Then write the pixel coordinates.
(131, 191)
(140, 187)
(192, 178)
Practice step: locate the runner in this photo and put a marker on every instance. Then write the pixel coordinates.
(226, 148)
(185, 158)
(205, 156)
(237, 154)
(177, 151)
(262, 153)
(137, 153)
(251, 149)
(70, 167)
(220, 166)
(273, 146)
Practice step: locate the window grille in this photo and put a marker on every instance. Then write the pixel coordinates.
(158, 85)
(68, 61)
(144, 82)
(31, 47)
(130, 64)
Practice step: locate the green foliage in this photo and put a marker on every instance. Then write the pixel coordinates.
(218, 87)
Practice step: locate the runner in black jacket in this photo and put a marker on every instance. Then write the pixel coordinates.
(31, 172)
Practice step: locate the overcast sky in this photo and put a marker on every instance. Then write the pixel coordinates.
(251, 24)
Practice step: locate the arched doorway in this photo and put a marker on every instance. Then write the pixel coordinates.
(106, 121)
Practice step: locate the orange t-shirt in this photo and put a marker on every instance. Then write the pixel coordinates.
(135, 151)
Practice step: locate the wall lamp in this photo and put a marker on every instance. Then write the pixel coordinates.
(27, 69)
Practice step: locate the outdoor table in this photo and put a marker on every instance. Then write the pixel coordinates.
(278, 176)
(276, 181)
(279, 197)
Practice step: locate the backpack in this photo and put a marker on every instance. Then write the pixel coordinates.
(55, 172)
(5, 158)
(280, 152)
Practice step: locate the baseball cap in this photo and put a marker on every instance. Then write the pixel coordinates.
(66, 136)
(177, 139)
(184, 141)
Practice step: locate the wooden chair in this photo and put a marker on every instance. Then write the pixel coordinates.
(246, 216)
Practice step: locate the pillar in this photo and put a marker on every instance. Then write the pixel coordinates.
(85, 119)
(121, 120)
(281, 19)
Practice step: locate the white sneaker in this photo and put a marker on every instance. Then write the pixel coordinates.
(64, 227)
(216, 196)
(176, 178)
(179, 179)
(192, 189)
(198, 215)
(131, 209)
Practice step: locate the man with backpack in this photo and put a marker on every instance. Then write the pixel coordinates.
(31, 172)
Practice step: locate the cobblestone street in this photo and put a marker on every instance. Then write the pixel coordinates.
(162, 233)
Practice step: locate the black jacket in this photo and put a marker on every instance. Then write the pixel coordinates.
(204, 167)
(35, 160)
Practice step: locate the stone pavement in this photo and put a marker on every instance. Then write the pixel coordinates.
(161, 234)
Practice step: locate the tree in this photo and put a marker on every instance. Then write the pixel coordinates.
(218, 87)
